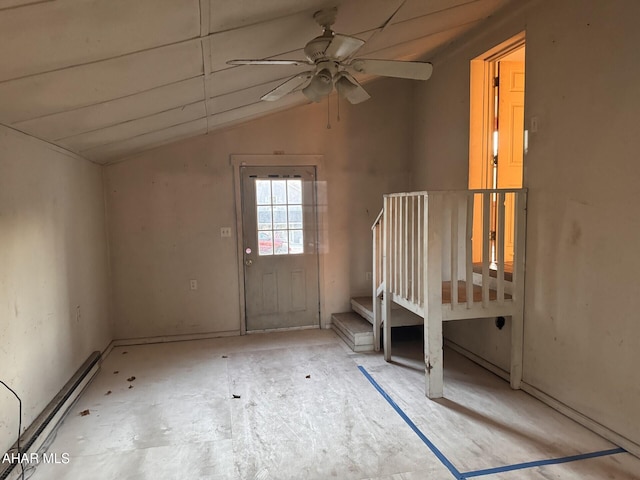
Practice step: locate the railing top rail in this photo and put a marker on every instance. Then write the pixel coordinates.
(378, 218)
(484, 190)
(405, 194)
(458, 192)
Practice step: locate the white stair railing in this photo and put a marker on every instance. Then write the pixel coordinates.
(425, 248)
(376, 276)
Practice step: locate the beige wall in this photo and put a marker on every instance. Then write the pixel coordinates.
(166, 207)
(582, 335)
(53, 273)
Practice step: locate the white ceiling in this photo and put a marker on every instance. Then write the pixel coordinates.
(109, 78)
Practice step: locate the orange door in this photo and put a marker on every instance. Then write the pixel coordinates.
(510, 140)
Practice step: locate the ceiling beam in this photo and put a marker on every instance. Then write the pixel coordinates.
(205, 16)
(13, 4)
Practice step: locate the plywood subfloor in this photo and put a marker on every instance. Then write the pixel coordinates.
(304, 410)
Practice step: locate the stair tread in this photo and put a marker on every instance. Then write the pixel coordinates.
(400, 317)
(354, 330)
(353, 323)
(367, 303)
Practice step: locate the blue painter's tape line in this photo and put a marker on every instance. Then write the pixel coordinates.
(413, 426)
(540, 463)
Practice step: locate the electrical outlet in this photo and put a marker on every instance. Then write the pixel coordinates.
(225, 232)
(193, 284)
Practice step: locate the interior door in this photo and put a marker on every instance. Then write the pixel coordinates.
(510, 140)
(279, 226)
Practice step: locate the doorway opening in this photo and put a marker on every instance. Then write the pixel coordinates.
(497, 139)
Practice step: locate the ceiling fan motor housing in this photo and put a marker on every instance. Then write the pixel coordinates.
(314, 50)
(328, 66)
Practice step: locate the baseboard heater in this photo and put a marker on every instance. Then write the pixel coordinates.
(36, 435)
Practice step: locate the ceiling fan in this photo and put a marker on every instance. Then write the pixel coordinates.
(330, 54)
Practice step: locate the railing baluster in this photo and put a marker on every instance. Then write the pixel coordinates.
(454, 250)
(405, 275)
(377, 275)
(413, 249)
(469, 251)
(392, 243)
(375, 301)
(396, 247)
(381, 236)
(500, 253)
(402, 246)
(486, 241)
(520, 208)
(392, 234)
(379, 258)
(419, 261)
(386, 269)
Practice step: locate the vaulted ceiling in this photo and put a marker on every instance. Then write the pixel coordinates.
(109, 78)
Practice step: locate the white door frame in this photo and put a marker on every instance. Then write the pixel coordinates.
(482, 72)
(316, 161)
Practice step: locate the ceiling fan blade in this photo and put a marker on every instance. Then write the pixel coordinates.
(268, 62)
(350, 89)
(393, 68)
(343, 46)
(287, 87)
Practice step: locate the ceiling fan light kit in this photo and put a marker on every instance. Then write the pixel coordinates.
(320, 86)
(330, 55)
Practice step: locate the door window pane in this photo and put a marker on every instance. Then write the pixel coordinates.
(296, 244)
(279, 217)
(280, 242)
(294, 192)
(264, 217)
(295, 216)
(265, 243)
(263, 192)
(279, 191)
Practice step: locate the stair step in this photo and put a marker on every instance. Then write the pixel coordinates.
(400, 317)
(364, 307)
(354, 330)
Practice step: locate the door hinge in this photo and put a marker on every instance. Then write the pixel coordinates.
(496, 81)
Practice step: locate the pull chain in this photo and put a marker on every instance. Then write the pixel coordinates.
(328, 114)
(338, 102)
